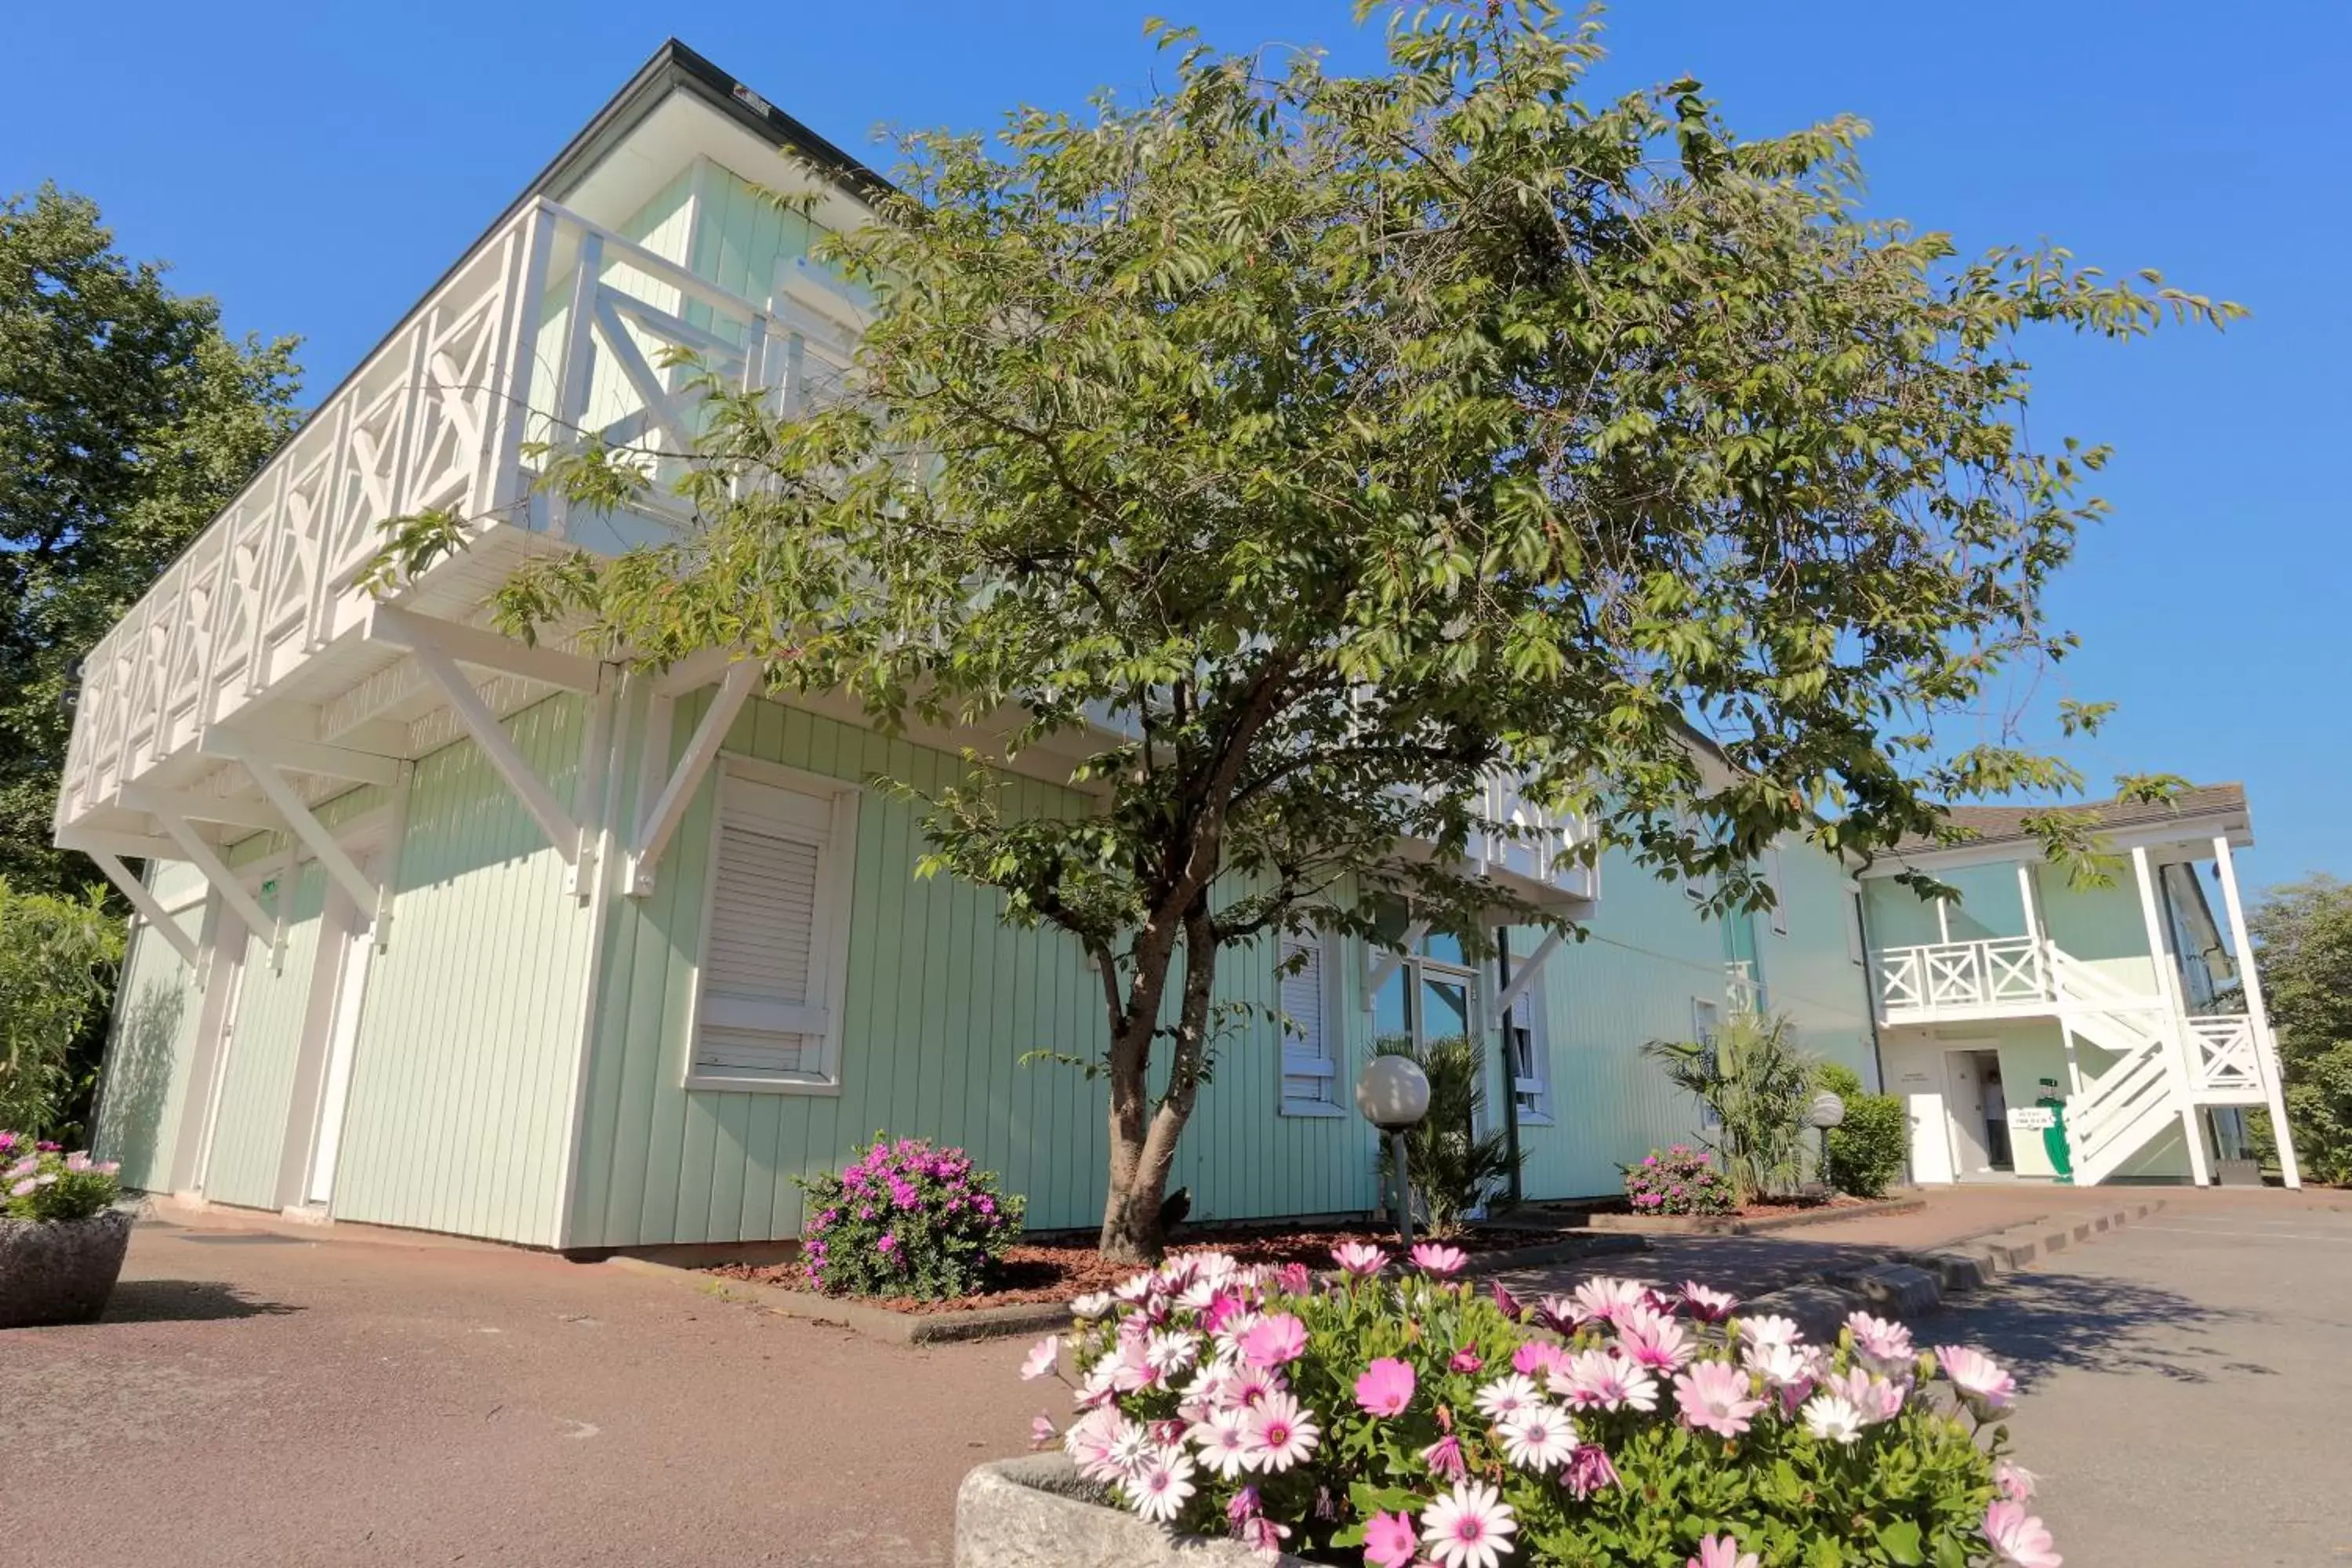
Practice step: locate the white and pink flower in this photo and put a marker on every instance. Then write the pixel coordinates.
(1160, 1484)
(1880, 1339)
(1508, 1395)
(1604, 1380)
(1716, 1397)
(1469, 1527)
(1979, 1378)
(1045, 1357)
(2019, 1539)
(1542, 1438)
(1721, 1552)
(1359, 1260)
(1278, 1434)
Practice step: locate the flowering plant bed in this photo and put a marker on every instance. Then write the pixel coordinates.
(1397, 1418)
(61, 1239)
(1764, 1214)
(1053, 1272)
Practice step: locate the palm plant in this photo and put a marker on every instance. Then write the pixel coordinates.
(1454, 1169)
(1760, 1084)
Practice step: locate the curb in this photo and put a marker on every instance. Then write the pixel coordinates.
(1023, 1318)
(1638, 1225)
(1914, 1283)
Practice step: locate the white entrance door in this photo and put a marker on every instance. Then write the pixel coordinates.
(1966, 1099)
(342, 1036)
(224, 1044)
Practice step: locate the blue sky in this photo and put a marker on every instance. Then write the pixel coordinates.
(317, 166)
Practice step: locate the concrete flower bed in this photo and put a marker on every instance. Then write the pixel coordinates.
(1037, 1512)
(59, 1271)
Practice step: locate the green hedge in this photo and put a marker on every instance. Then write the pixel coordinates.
(1865, 1152)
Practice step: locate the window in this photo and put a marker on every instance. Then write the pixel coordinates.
(1855, 946)
(1778, 882)
(1529, 1056)
(774, 933)
(1706, 1016)
(1310, 1067)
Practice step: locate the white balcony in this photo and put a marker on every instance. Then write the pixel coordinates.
(553, 327)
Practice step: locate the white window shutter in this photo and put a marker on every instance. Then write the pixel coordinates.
(1530, 1057)
(763, 1010)
(1308, 1067)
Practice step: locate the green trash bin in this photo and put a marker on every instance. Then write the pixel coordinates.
(2054, 1137)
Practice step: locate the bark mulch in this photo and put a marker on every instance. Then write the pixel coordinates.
(1055, 1271)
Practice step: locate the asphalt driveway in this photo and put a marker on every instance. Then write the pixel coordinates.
(2187, 1384)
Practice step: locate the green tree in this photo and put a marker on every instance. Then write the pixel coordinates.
(1310, 448)
(127, 420)
(2302, 951)
(57, 963)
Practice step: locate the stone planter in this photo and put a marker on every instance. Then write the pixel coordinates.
(59, 1271)
(1037, 1512)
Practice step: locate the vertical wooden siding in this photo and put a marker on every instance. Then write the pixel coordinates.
(151, 1041)
(461, 1082)
(249, 1134)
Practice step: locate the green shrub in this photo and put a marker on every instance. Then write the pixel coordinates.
(1677, 1181)
(1453, 1169)
(1865, 1151)
(57, 960)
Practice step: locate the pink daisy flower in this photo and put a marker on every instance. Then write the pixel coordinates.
(1602, 1300)
(1977, 1376)
(1833, 1420)
(1262, 1536)
(2015, 1481)
(1508, 1395)
(1273, 1342)
(1042, 1431)
(1539, 1439)
(1721, 1552)
(2020, 1540)
(1386, 1387)
(1470, 1527)
(1169, 1351)
(1466, 1359)
(1444, 1460)
(1714, 1397)
(1224, 1442)
(1604, 1380)
(1433, 1258)
(1278, 1434)
(1589, 1471)
(1651, 1339)
(1389, 1540)
(1539, 1358)
(1769, 1329)
(1708, 1306)
(1876, 1398)
(1359, 1260)
(1043, 1357)
(1159, 1485)
(1878, 1338)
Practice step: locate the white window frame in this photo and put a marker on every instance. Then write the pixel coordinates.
(1857, 944)
(1537, 1110)
(835, 878)
(1776, 878)
(1332, 1025)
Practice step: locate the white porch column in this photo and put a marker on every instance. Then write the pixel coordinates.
(2176, 1028)
(2265, 1044)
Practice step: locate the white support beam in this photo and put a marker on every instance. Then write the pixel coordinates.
(94, 841)
(563, 833)
(2031, 906)
(143, 901)
(1525, 975)
(2257, 1011)
(224, 881)
(315, 835)
(397, 628)
(2175, 1026)
(161, 803)
(595, 763)
(302, 756)
(395, 834)
(1377, 972)
(661, 819)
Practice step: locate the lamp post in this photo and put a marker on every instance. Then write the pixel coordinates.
(1828, 1110)
(1393, 1094)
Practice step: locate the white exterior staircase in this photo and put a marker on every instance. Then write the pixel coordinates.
(2139, 1065)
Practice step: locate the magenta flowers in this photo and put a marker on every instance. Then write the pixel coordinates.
(1357, 1259)
(1273, 1342)
(1386, 1387)
(1721, 1552)
(1436, 1257)
(1390, 1540)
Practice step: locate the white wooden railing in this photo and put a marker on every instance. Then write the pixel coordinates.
(2225, 1054)
(1992, 973)
(553, 328)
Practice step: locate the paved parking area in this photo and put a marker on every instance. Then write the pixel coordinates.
(260, 1395)
(2186, 1384)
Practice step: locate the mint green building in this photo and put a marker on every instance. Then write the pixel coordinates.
(444, 932)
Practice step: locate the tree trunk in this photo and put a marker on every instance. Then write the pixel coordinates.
(1143, 1137)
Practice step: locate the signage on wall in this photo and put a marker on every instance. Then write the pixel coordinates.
(2031, 1117)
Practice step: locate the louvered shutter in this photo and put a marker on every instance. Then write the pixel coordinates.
(764, 1011)
(1308, 1069)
